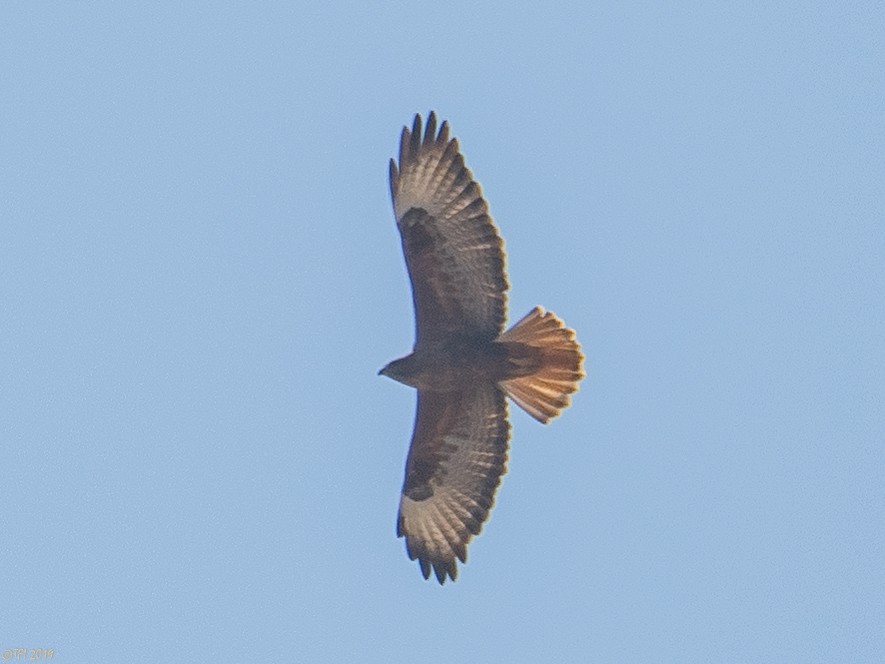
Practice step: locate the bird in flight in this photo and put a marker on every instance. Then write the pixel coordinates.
(463, 363)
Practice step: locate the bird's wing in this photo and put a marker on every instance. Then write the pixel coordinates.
(452, 248)
(455, 463)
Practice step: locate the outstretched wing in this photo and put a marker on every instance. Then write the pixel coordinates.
(452, 248)
(456, 460)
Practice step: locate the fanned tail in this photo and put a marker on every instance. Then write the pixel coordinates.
(546, 362)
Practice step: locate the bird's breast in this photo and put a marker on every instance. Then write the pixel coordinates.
(458, 365)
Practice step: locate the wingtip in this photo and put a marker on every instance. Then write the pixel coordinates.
(430, 131)
(443, 137)
(432, 135)
(415, 138)
(441, 571)
(393, 176)
(411, 139)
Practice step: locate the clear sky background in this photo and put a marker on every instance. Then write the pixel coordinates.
(200, 276)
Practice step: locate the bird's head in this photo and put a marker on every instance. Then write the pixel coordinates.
(401, 370)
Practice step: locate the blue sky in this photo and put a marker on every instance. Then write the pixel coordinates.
(200, 276)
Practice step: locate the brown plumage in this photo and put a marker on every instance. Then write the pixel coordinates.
(463, 363)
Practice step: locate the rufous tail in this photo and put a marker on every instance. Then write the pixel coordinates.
(546, 361)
